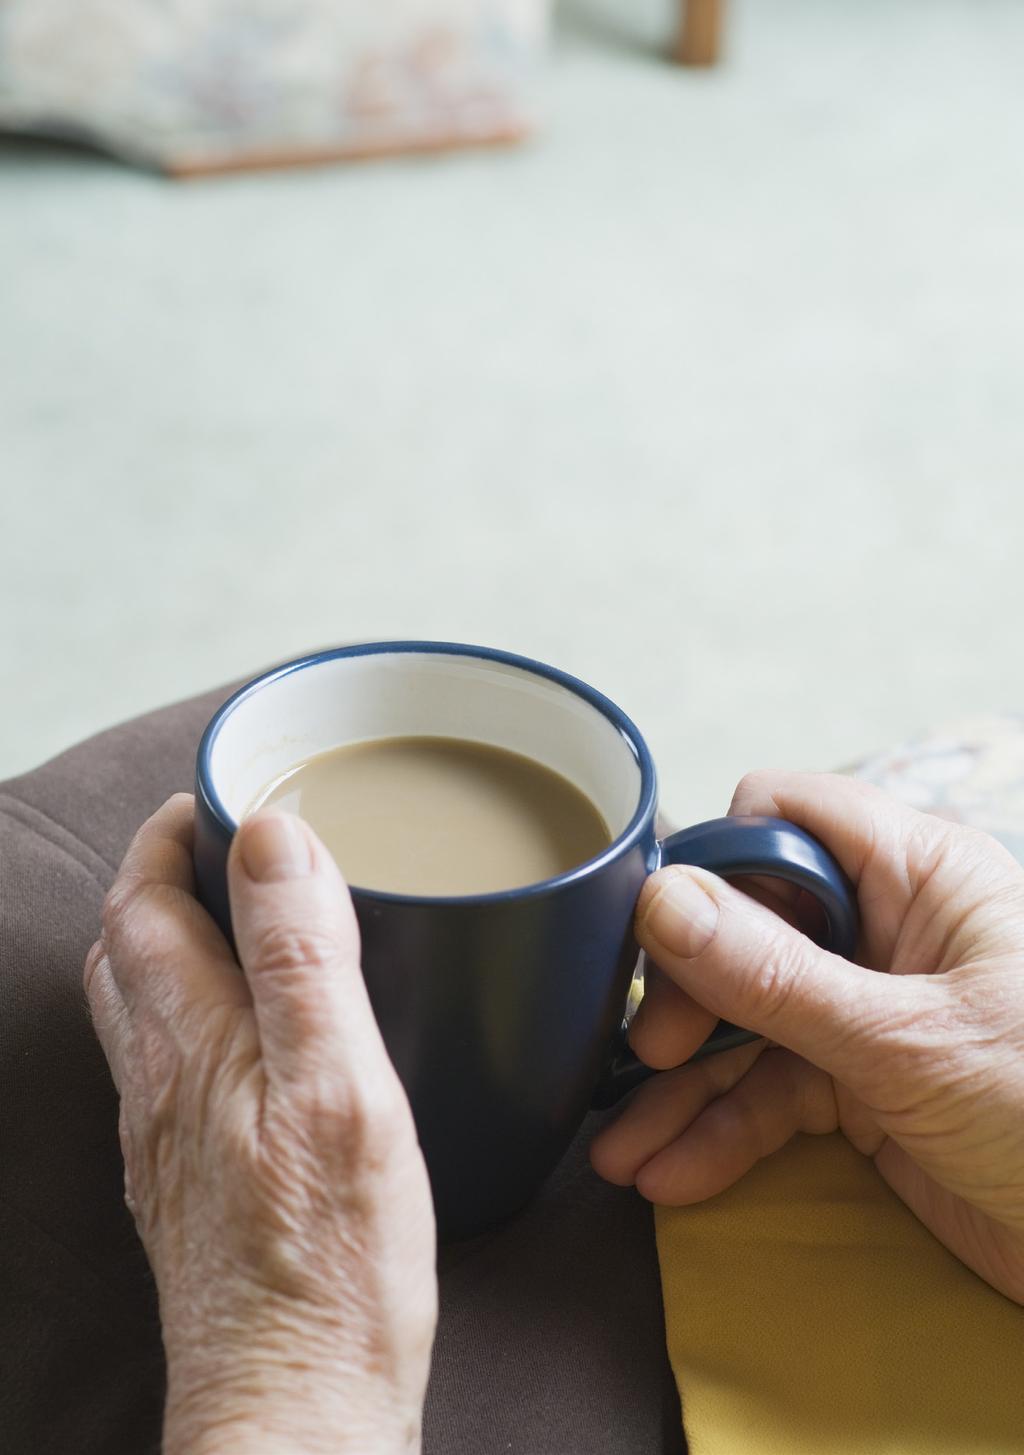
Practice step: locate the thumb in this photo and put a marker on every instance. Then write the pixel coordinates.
(747, 965)
(298, 942)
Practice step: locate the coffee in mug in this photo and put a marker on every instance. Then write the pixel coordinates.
(440, 816)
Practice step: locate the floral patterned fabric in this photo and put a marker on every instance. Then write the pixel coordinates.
(194, 84)
(971, 772)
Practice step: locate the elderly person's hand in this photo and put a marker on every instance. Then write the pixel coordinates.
(271, 1161)
(921, 1068)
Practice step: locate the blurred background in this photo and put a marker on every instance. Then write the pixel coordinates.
(707, 390)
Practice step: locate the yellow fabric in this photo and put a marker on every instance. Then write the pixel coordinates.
(808, 1312)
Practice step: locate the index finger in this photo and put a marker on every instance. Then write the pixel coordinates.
(856, 821)
(162, 944)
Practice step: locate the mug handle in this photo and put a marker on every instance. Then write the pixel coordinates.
(730, 847)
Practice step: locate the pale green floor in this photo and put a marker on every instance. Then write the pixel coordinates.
(711, 395)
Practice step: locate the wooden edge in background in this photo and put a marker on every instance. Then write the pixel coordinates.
(269, 158)
(700, 32)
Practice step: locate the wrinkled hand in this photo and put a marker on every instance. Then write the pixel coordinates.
(921, 1068)
(271, 1161)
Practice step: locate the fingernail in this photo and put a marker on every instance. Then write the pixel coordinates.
(275, 846)
(683, 917)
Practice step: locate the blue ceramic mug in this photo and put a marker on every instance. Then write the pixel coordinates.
(501, 1012)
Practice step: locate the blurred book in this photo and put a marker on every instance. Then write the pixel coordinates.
(194, 86)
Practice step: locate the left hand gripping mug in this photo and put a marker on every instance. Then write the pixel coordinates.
(501, 1012)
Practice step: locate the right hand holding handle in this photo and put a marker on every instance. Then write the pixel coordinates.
(921, 1068)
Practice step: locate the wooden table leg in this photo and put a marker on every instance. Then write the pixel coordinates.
(700, 32)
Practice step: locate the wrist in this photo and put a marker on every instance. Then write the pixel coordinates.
(247, 1406)
(252, 1435)
(256, 1426)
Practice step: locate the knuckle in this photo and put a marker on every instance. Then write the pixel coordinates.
(126, 1133)
(973, 839)
(718, 1075)
(756, 778)
(130, 899)
(993, 861)
(287, 949)
(742, 1124)
(92, 964)
(365, 1119)
(773, 981)
(377, 1113)
(161, 1060)
(762, 790)
(755, 786)
(119, 906)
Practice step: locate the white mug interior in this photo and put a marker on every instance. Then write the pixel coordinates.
(337, 700)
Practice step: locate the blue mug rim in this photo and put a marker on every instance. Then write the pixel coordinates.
(629, 836)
